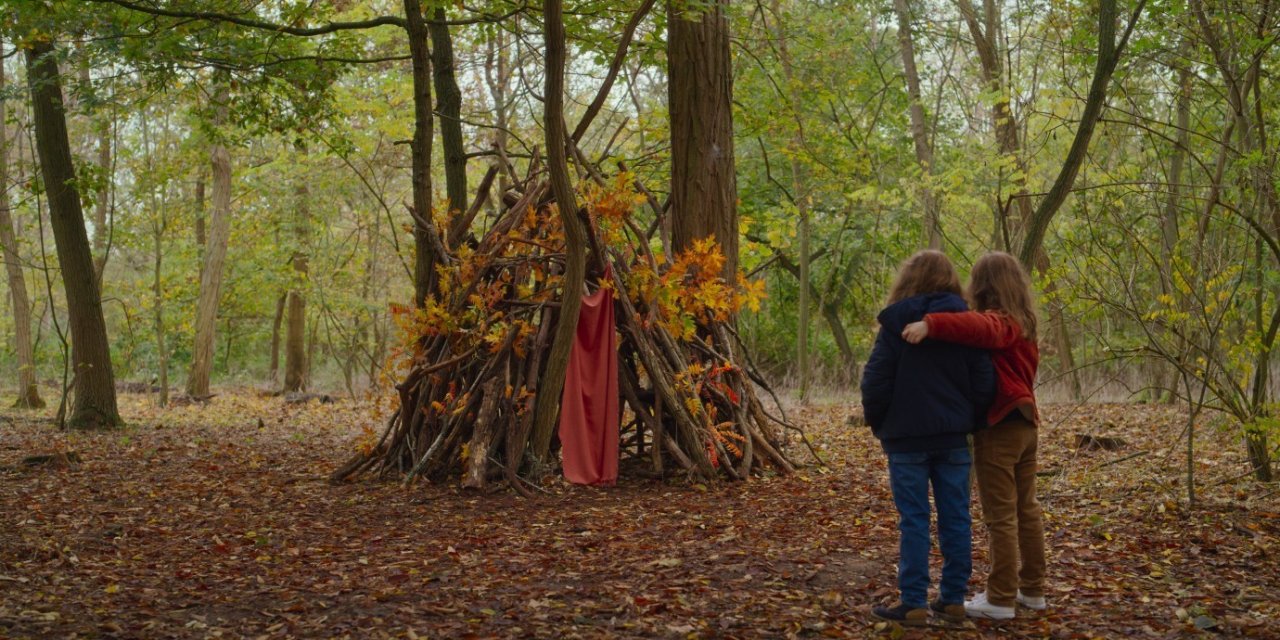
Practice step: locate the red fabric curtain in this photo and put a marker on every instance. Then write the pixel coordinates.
(589, 413)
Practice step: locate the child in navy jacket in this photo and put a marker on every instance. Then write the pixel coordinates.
(921, 402)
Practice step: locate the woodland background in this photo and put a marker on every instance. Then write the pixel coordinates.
(244, 171)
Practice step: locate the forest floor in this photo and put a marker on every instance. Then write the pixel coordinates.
(217, 521)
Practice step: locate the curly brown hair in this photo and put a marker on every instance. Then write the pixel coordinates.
(927, 271)
(999, 283)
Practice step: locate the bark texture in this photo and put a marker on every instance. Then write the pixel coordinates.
(424, 276)
(547, 407)
(295, 355)
(215, 255)
(919, 128)
(94, 406)
(704, 187)
(448, 110)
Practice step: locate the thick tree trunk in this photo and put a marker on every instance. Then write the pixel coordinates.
(424, 276)
(295, 357)
(919, 128)
(214, 257)
(547, 408)
(28, 391)
(704, 188)
(449, 111)
(95, 392)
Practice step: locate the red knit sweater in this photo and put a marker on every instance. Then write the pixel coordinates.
(1015, 357)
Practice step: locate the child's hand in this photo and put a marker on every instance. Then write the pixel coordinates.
(915, 332)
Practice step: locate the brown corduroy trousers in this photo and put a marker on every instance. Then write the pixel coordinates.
(1004, 461)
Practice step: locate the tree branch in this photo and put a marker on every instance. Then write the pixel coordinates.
(214, 16)
(330, 27)
(1109, 52)
(614, 67)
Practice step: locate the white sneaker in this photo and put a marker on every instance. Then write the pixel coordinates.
(978, 607)
(1031, 602)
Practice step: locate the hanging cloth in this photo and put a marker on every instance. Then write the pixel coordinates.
(589, 408)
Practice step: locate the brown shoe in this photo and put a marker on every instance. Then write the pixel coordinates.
(948, 612)
(903, 615)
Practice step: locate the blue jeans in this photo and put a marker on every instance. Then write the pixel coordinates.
(910, 475)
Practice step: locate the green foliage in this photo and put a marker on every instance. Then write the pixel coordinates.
(823, 129)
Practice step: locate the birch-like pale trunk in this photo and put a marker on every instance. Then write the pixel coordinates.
(215, 255)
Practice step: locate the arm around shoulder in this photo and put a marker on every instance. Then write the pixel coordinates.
(985, 330)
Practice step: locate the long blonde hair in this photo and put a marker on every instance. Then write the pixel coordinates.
(999, 283)
(927, 271)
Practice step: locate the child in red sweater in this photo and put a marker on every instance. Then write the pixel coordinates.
(1005, 453)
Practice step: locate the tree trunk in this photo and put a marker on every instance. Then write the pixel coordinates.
(95, 392)
(281, 304)
(312, 343)
(704, 188)
(424, 276)
(200, 231)
(919, 128)
(214, 257)
(497, 71)
(829, 303)
(449, 111)
(549, 392)
(102, 206)
(1259, 455)
(1169, 220)
(28, 390)
(373, 283)
(159, 223)
(158, 292)
(295, 357)
(831, 313)
(986, 42)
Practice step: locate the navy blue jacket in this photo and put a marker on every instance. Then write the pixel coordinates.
(929, 396)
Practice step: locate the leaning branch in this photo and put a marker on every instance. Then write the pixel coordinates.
(214, 16)
(319, 30)
(614, 67)
(1109, 52)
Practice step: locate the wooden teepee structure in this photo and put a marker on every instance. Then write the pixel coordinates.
(478, 348)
